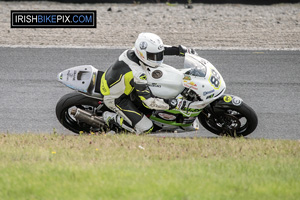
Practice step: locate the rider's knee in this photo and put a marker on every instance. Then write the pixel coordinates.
(145, 125)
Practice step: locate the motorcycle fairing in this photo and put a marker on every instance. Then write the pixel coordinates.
(203, 78)
(174, 119)
(81, 78)
(172, 125)
(164, 81)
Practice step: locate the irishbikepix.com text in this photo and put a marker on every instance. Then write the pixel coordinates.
(53, 19)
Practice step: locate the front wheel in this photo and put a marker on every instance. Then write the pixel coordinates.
(230, 120)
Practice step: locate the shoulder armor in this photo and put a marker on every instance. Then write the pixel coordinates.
(137, 70)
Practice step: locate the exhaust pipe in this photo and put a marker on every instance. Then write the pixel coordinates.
(84, 116)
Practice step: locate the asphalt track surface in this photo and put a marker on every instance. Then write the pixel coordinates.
(268, 81)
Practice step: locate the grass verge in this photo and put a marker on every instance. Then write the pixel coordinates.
(142, 167)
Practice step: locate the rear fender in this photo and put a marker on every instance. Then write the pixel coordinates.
(85, 79)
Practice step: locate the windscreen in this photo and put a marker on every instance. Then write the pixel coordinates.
(196, 64)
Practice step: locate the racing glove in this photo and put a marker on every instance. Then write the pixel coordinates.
(179, 104)
(183, 50)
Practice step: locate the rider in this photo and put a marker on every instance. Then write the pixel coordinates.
(128, 73)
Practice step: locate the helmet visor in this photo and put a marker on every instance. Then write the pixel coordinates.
(155, 56)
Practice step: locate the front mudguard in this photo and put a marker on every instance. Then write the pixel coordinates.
(224, 102)
(228, 100)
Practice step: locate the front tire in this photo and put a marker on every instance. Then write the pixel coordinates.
(231, 120)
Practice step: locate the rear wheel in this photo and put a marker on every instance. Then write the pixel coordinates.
(234, 121)
(65, 106)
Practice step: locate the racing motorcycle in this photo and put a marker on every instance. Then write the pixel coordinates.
(199, 81)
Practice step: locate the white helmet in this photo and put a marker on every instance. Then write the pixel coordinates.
(149, 48)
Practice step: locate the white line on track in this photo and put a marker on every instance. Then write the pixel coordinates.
(126, 47)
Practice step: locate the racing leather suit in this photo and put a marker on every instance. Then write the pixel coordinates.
(120, 79)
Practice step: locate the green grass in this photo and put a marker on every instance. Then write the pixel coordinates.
(143, 167)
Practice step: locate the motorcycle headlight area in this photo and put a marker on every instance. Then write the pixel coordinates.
(198, 71)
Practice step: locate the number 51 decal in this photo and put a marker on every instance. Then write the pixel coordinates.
(214, 79)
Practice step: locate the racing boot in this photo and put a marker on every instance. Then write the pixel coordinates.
(115, 122)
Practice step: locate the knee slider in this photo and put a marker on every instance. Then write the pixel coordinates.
(145, 125)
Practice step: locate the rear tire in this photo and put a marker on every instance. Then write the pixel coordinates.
(234, 121)
(64, 106)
